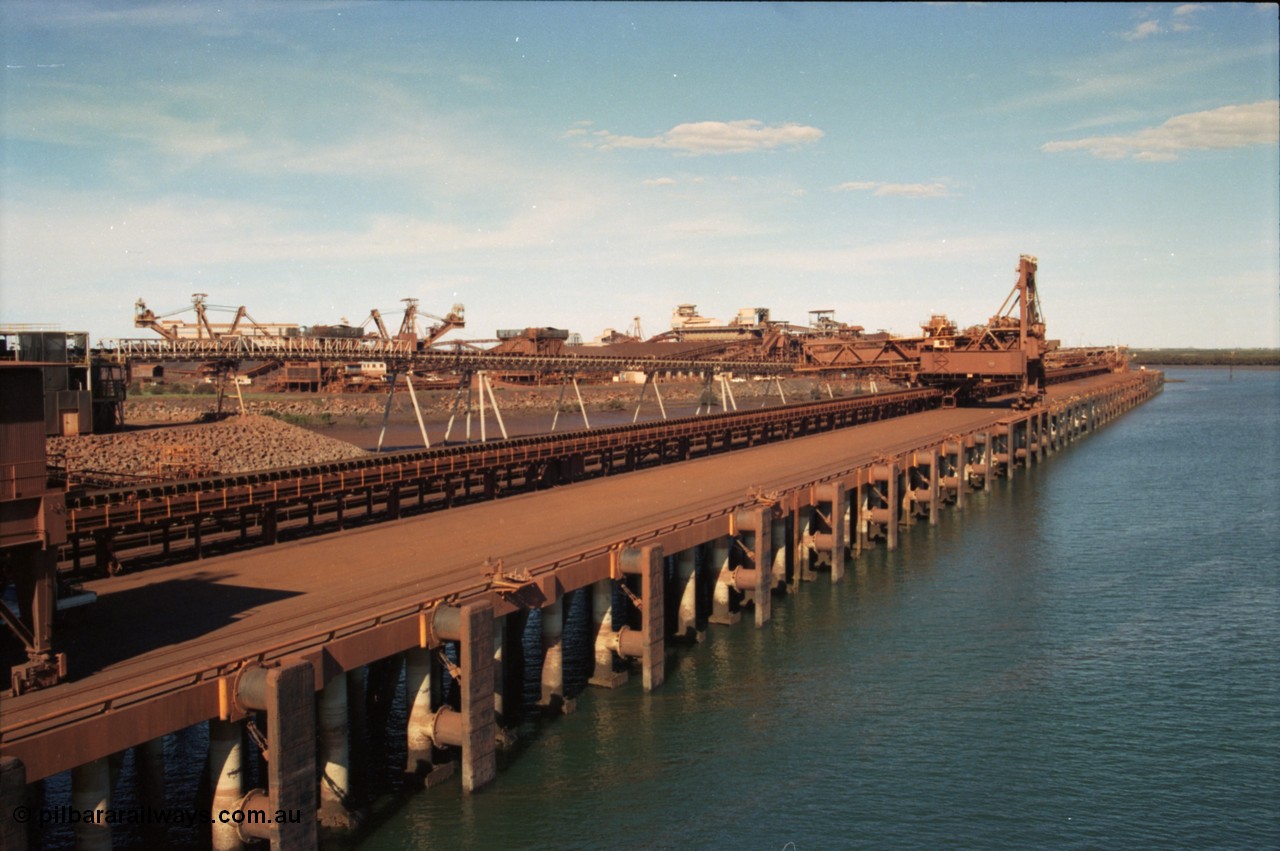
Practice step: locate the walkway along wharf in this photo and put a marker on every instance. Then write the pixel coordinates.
(287, 633)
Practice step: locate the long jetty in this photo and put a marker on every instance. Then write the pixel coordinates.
(272, 641)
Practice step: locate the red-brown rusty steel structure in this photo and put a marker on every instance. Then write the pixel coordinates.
(281, 629)
(109, 523)
(408, 355)
(111, 526)
(553, 542)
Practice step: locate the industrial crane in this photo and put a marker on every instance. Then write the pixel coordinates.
(1007, 346)
(172, 330)
(144, 317)
(408, 330)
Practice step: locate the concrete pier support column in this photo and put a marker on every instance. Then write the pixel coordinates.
(687, 582)
(604, 674)
(921, 486)
(867, 502)
(849, 522)
(904, 492)
(953, 479)
(288, 694)
(755, 580)
(778, 544)
(1017, 452)
(13, 794)
(882, 504)
(720, 572)
(335, 753)
(291, 737)
(975, 447)
(479, 727)
(829, 542)
(499, 665)
(1031, 436)
(553, 656)
(226, 779)
(894, 508)
(91, 792)
(472, 727)
(1004, 457)
(422, 699)
(802, 561)
(931, 457)
(648, 644)
(966, 466)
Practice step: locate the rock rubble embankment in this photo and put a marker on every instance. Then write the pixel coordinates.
(234, 445)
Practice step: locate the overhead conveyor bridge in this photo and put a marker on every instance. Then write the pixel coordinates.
(406, 355)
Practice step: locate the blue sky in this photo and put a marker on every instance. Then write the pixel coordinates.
(580, 164)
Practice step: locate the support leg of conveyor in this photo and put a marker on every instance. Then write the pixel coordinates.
(226, 779)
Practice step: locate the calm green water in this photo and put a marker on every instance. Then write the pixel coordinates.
(1087, 656)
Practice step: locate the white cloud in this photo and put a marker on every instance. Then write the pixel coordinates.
(1235, 126)
(660, 181)
(714, 137)
(1180, 23)
(1146, 29)
(904, 190)
(914, 190)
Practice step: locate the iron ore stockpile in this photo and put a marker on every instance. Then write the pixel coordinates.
(235, 445)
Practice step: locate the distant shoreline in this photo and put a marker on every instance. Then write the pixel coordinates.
(1205, 357)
